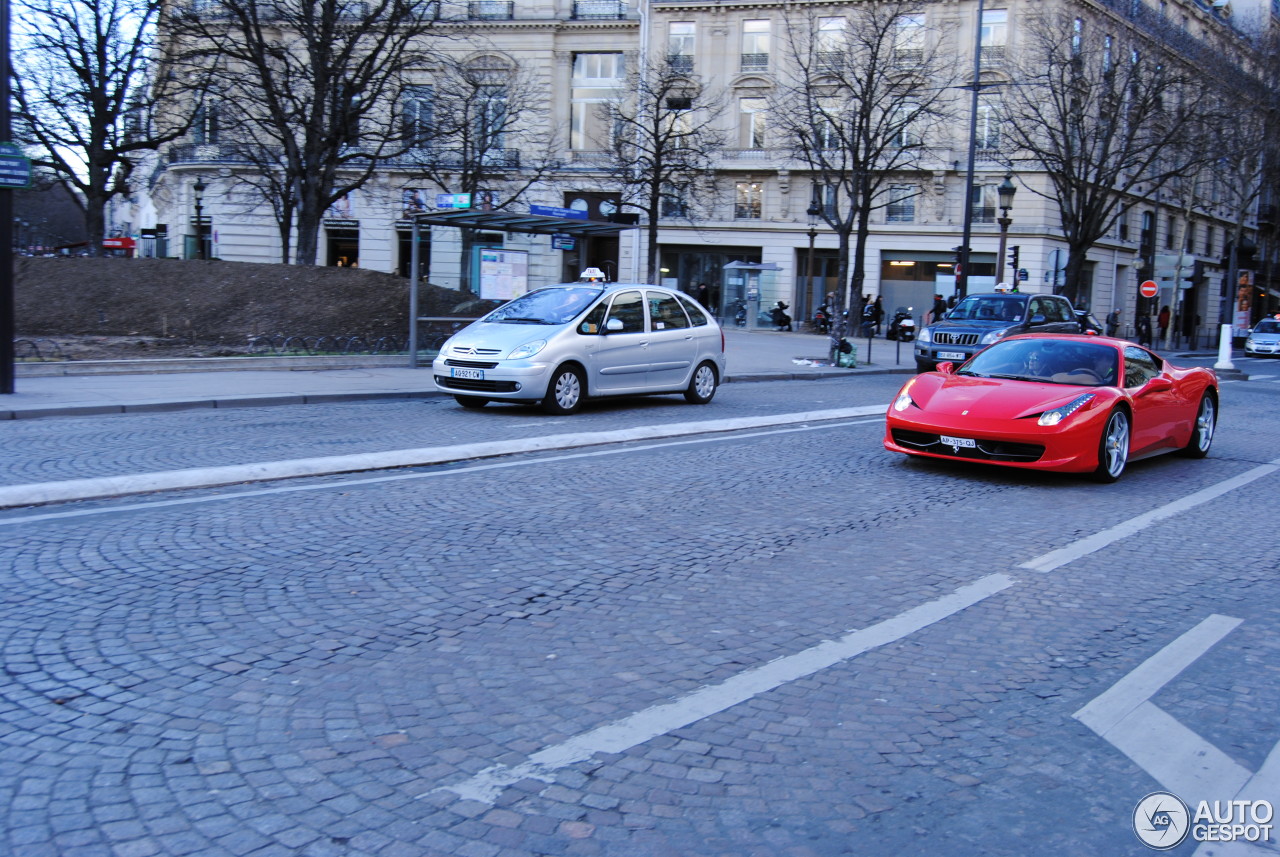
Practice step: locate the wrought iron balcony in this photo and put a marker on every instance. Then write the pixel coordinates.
(599, 10)
(754, 62)
(491, 10)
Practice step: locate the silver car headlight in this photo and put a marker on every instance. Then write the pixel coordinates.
(1249, 343)
(925, 336)
(993, 336)
(527, 350)
(1058, 414)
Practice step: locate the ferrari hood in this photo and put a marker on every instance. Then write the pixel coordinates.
(991, 398)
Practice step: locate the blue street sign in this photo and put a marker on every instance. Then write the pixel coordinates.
(552, 211)
(560, 241)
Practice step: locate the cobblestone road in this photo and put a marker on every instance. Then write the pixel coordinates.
(307, 672)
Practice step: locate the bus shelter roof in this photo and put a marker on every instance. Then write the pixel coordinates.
(505, 221)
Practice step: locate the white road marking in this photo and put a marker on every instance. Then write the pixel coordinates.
(210, 477)
(401, 477)
(1179, 759)
(1057, 558)
(660, 719)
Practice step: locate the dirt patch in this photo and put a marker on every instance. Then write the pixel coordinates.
(94, 309)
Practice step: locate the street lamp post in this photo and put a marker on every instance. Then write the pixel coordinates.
(1006, 190)
(200, 189)
(812, 213)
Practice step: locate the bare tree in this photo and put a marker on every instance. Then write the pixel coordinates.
(305, 91)
(85, 95)
(479, 127)
(868, 93)
(1106, 115)
(664, 140)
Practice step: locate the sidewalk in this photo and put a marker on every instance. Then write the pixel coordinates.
(139, 387)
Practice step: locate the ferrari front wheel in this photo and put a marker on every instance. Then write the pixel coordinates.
(1203, 428)
(1113, 449)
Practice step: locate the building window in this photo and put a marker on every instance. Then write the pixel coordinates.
(1208, 240)
(596, 79)
(415, 115)
(753, 125)
(995, 31)
(826, 195)
(490, 10)
(829, 43)
(988, 130)
(675, 202)
(986, 198)
(908, 40)
(205, 127)
(902, 204)
(755, 45)
(1170, 225)
(680, 45)
(1122, 224)
(748, 199)
(906, 126)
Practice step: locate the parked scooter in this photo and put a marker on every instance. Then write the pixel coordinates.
(822, 319)
(740, 313)
(903, 326)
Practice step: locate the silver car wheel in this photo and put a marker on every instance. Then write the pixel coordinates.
(1206, 419)
(702, 387)
(1115, 445)
(565, 393)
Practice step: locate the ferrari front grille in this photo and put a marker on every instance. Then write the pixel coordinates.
(983, 450)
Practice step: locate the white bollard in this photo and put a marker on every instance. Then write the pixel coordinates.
(1224, 349)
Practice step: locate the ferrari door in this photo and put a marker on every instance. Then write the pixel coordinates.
(1155, 404)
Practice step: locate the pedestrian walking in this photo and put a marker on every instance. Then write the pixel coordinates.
(1144, 330)
(1162, 321)
(702, 294)
(939, 308)
(1113, 322)
(879, 312)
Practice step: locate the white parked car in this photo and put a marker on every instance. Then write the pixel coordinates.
(1264, 339)
(562, 344)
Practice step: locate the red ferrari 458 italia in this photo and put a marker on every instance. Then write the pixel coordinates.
(1071, 403)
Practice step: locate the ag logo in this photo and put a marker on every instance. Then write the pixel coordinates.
(1161, 821)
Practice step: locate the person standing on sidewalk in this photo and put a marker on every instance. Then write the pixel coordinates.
(1144, 329)
(939, 308)
(1162, 321)
(879, 312)
(1113, 322)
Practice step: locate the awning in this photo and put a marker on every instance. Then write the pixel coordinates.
(505, 221)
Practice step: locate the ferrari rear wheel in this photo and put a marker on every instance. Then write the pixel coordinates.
(1113, 450)
(1202, 431)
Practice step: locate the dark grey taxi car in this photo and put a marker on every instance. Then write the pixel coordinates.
(979, 320)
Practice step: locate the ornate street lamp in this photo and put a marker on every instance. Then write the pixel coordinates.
(200, 189)
(1005, 191)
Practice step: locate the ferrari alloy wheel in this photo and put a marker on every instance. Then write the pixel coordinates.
(1202, 431)
(564, 393)
(1113, 451)
(702, 386)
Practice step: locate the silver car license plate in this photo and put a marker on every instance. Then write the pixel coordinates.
(957, 441)
(472, 374)
(951, 355)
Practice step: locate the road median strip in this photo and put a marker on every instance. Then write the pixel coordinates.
(37, 494)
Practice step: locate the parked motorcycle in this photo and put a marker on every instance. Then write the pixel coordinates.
(903, 326)
(740, 313)
(822, 319)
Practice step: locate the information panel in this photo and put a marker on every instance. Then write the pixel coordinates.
(502, 274)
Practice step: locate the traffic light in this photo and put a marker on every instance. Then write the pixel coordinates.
(1013, 259)
(957, 253)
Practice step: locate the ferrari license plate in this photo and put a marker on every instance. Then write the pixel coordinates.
(956, 441)
(472, 374)
(951, 355)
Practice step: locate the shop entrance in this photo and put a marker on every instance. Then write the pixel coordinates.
(344, 248)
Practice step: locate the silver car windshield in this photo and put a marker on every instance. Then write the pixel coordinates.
(1046, 361)
(545, 306)
(988, 308)
(1267, 326)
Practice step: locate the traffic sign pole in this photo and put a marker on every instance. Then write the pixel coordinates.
(7, 311)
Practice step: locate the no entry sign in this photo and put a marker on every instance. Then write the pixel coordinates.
(1149, 289)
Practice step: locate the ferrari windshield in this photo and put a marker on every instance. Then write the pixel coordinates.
(545, 306)
(989, 308)
(1051, 361)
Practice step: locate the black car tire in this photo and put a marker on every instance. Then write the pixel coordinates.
(1113, 447)
(703, 385)
(1203, 430)
(471, 401)
(565, 392)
